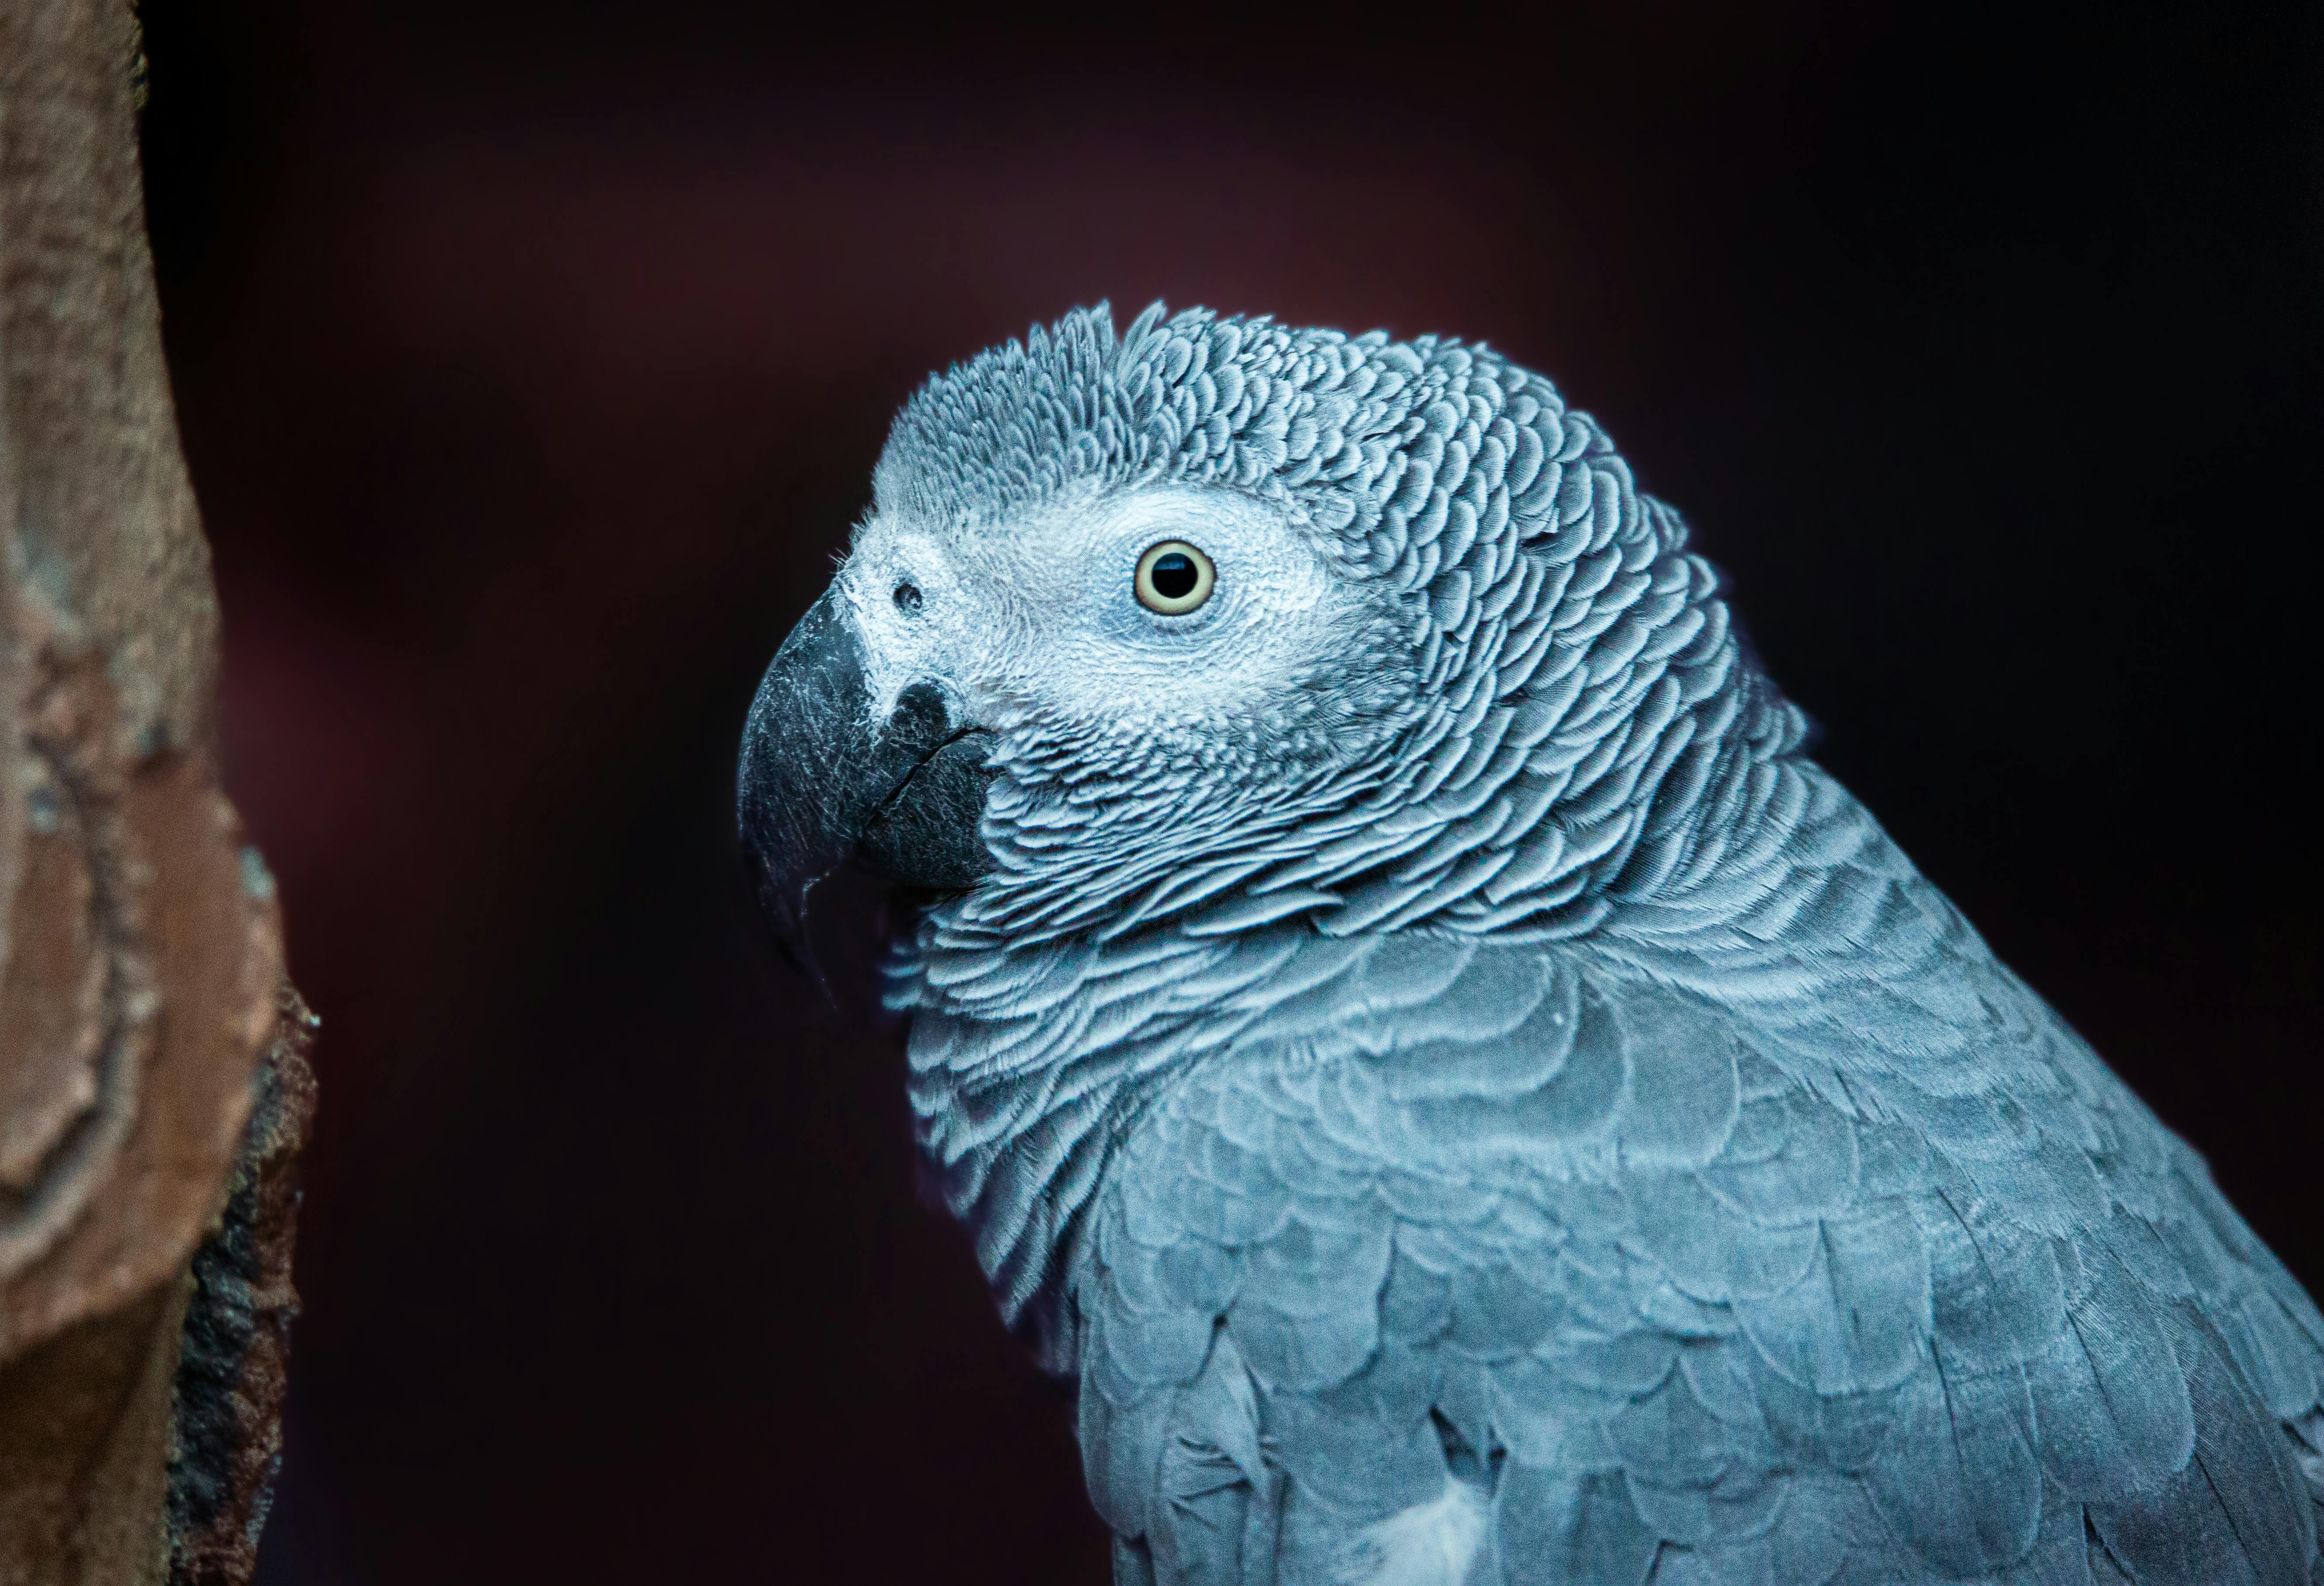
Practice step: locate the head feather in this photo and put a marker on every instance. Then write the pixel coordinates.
(1573, 658)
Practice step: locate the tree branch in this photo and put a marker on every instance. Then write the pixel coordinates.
(140, 948)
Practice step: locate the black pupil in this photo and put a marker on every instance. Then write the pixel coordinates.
(1173, 574)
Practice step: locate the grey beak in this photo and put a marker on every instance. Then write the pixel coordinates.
(821, 783)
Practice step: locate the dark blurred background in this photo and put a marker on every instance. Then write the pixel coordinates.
(532, 360)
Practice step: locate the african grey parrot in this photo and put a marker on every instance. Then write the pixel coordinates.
(1419, 1047)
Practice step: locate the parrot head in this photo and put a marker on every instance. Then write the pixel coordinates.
(1230, 622)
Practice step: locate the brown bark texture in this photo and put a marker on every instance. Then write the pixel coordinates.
(152, 1085)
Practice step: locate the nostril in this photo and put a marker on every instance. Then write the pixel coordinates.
(920, 716)
(907, 597)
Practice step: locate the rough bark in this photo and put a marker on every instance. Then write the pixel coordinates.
(233, 1360)
(140, 950)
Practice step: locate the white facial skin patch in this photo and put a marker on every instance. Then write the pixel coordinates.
(1041, 617)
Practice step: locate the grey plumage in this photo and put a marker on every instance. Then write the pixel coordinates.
(1476, 1102)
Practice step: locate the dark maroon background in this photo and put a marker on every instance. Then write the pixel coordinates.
(532, 361)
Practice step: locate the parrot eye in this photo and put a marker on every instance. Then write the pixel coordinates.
(1173, 579)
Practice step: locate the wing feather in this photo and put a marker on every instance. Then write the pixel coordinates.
(1765, 1292)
